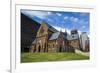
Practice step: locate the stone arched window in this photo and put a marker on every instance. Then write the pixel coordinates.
(60, 48)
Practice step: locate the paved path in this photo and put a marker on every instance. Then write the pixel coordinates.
(82, 53)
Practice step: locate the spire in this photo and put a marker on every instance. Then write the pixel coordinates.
(60, 30)
(65, 31)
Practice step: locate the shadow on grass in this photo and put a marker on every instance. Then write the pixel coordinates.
(45, 57)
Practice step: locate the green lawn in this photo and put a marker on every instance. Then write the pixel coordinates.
(44, 57)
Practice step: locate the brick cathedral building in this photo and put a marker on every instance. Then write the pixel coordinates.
(48, 39)
(36, 37)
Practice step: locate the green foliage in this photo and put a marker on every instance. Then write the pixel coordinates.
(44, 57)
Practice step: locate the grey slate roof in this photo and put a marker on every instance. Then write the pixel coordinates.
(66, 36)
(72, 37)
(51, 28)
(54, 36)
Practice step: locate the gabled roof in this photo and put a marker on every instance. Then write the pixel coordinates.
(54, 36)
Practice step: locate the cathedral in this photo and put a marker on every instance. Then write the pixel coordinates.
(48, 39)
(42, 37)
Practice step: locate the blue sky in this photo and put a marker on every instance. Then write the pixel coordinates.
(61, 20)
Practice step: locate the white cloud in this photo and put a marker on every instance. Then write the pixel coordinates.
(79, 32)
(59, 14)
(39, 14)
(62, 29)
(49, 13)
(71, 18)
(78, 21)
(74, 19)
(83, 27)
(82, 22)
(66, 17)
(50, 20)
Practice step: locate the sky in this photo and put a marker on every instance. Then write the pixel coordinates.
(62, 20)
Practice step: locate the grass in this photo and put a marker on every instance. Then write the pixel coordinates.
(44, 57)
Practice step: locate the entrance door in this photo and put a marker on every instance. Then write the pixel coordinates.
(60, 49)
